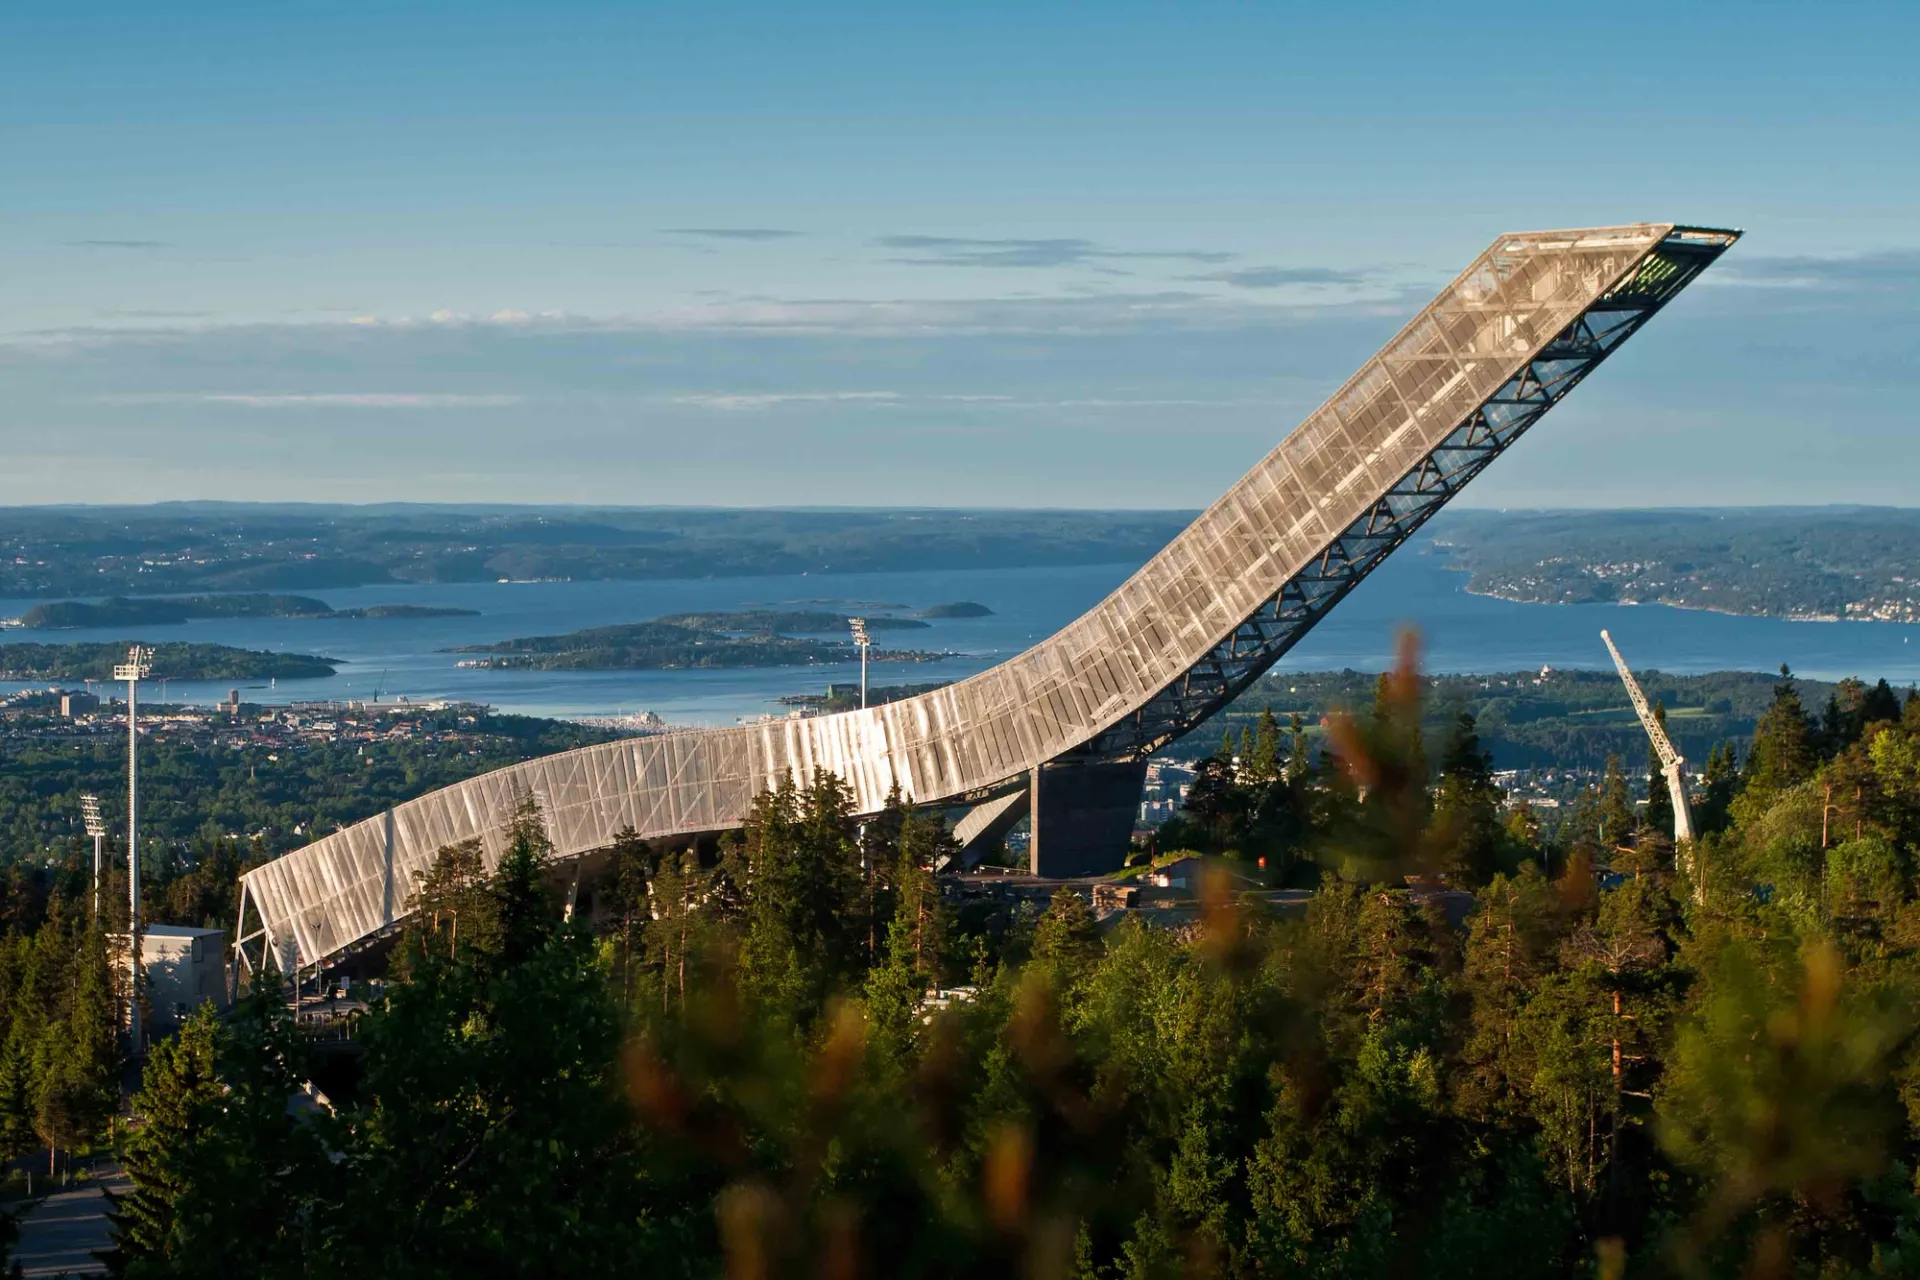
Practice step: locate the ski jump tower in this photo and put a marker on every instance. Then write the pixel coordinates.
(1062, 732)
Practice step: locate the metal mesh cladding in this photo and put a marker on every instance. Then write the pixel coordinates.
(968, 739)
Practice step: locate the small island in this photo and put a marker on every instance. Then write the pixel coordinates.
(958, 609)
(846, 697)
(401, 611)
(759, 622)
(170, 662)
(669, 644)
(166, 611)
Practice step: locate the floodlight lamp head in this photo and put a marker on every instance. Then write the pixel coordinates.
(90, 815)
(859, 626)
(138, 666)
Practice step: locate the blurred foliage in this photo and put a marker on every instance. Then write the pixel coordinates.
(1467, 1052)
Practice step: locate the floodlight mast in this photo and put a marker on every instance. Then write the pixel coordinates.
(861, 638)
(97, 828)
(1671, 763)
(137, 667)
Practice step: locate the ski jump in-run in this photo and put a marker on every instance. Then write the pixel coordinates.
(1061, 733)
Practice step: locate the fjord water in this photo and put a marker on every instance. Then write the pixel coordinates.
(1461, 633)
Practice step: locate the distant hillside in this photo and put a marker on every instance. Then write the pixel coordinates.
(175, 548)
(1812, 563)
(1830, 563)
(160, 611)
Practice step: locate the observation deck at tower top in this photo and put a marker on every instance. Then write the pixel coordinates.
(1195, 626)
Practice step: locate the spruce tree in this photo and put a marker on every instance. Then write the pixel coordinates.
(1617, 821)
(805, 928)
(1066, 942)
(492, 1138)
(158, 1224)
(1263, 765)
(1466, 836)
(77, 1062)
(1299, 753)
(1721, 779)
(227, 1180)
(1782, 754)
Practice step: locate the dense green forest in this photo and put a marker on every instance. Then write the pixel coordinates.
(272, 800)
(1563, 719)
(1782, 562)
(95, 661)
(232, 547)
(1648, 1061)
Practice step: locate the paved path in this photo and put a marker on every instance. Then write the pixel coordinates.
(60, 1235)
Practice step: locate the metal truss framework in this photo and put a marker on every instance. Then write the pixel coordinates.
(1238, 661)
(1187, 633)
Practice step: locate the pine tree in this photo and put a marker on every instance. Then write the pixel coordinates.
(678, 926)
(450, 900)
(1511, 942)
(917, 905)
(634, 865)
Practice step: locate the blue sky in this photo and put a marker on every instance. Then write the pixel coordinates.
(972, 255)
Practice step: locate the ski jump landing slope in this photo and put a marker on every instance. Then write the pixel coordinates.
(1199, 622)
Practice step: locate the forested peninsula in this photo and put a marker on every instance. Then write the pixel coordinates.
(1809, 564)
(170, 661)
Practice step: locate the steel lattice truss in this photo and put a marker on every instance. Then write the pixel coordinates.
(1233, 665)
(1191, 630)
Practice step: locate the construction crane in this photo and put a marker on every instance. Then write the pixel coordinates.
(1671, 763)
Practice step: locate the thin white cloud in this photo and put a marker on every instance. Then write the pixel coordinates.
(1061, 314)
(733, 233)
(320, 399)
(1888, 269)
(746, 401)
(738, 400)
(968, 251)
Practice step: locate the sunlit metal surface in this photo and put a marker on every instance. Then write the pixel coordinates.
(1178, 640)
